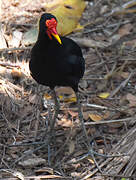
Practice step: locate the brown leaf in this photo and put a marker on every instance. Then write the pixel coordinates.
(124, 74)
(47, 96)
(16, 73)
(65, 122)
(97, 117)
(115, 125)
(64, 90)
(132, 100)
(73, 114)
(90, 160)
(32, 162)
(124, 30)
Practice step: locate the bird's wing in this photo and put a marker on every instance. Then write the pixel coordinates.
(72, 66)
(77, 64)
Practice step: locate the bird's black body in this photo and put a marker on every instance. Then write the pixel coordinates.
(53, 64)
(57, 61)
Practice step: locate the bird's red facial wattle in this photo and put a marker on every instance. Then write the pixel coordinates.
(51, 25)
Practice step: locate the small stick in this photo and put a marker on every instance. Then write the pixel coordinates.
(122, 85)
(16, 49)
(111, 121)
(9, 64)
(81, 119)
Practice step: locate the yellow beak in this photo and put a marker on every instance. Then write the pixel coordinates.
(57, 37)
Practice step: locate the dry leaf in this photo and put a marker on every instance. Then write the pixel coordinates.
(65, 122)
(47, 96)
(16, 38)
(104, 95)
(64, 90)
(124, 74)
(132, 100)
(16, 73)
(32, 162)
(68, 13)
(95, 117)
(76, 174)
(73, 114)
(70, 99)
(125, 29)
(78, 28)
(115, 125)
(61, 97)
(90, 160)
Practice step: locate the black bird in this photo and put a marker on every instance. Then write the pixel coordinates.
(56, 61)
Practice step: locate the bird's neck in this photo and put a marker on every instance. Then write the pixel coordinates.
(45, 42)
(43, 37)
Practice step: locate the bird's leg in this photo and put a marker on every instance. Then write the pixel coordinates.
(91, 152)
(56, 108)
(80, 115)
(52, 123)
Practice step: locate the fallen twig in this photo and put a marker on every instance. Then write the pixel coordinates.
(90, 43)
(16, 49)
(9, 65)
(122, 85)
(111, 121)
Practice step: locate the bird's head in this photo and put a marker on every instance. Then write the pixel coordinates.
(48, 23)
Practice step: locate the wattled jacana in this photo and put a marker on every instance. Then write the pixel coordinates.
(56, 61)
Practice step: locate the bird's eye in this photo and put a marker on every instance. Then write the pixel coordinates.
(51, 23)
